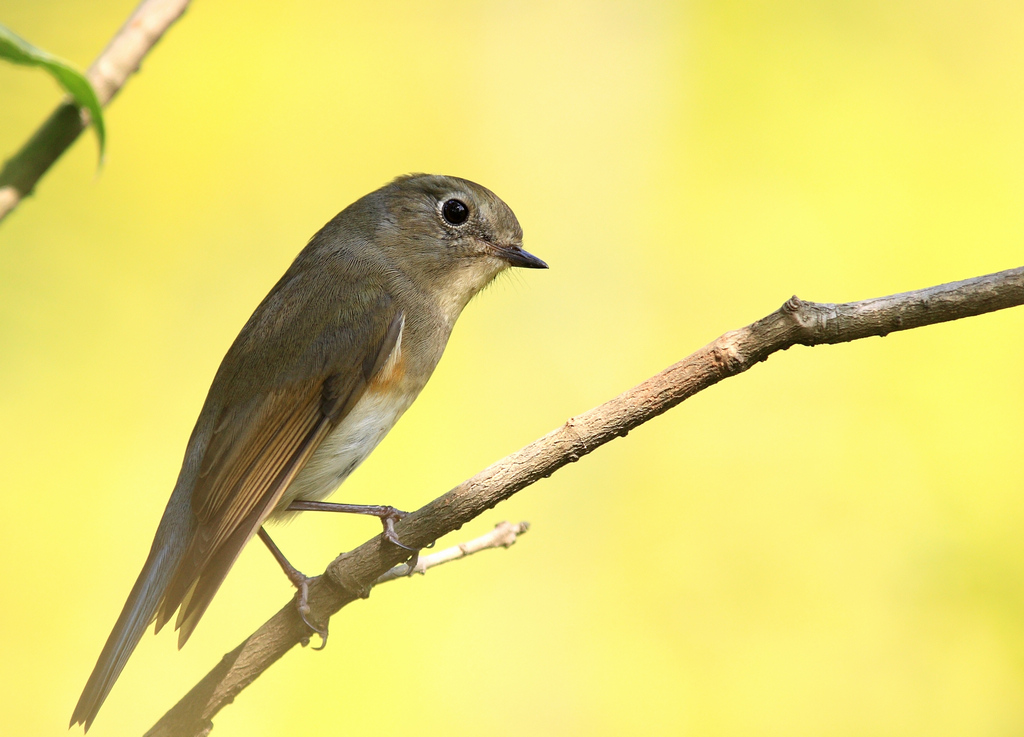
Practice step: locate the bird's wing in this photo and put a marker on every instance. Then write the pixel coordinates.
(258, 446)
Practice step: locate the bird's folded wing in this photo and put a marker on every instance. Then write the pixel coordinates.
(255, 452)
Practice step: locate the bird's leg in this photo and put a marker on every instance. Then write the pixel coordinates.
(387, 515)
(299, 580)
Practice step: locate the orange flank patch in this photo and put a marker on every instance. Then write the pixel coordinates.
(391, 374)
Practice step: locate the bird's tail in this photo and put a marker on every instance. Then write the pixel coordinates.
(138, 612)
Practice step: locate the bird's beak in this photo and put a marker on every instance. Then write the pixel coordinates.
(516, 256)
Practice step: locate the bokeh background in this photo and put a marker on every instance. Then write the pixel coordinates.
(829, 544)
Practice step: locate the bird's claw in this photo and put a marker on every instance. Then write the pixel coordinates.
(302, 605)
(388, 519)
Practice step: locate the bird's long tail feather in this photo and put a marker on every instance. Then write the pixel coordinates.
(138, 612)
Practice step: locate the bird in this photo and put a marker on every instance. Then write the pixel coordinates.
(325, 366)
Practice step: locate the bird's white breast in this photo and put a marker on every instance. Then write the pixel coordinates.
(347, 446)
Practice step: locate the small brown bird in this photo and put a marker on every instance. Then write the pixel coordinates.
(322, 370)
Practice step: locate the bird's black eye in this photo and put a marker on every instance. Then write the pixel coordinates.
(455, 212)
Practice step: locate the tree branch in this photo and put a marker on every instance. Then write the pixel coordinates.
(107, 75)
(352, 575)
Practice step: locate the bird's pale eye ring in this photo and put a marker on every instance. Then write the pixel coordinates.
(455, 212)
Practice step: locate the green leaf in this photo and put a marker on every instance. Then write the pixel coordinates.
(19, 51)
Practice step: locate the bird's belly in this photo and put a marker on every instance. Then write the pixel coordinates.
(346, 447)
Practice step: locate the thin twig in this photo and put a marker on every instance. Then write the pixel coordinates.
(107, 75)
(352, 575)
(503, 535)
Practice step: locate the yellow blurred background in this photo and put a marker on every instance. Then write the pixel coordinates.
(829, 544)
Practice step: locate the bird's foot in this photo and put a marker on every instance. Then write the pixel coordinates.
(300, 581)
(389, 519)
(302, 604)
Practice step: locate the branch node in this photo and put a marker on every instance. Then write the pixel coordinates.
(793, 304)
(578, 447)
(726, 354)
(338, 575)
